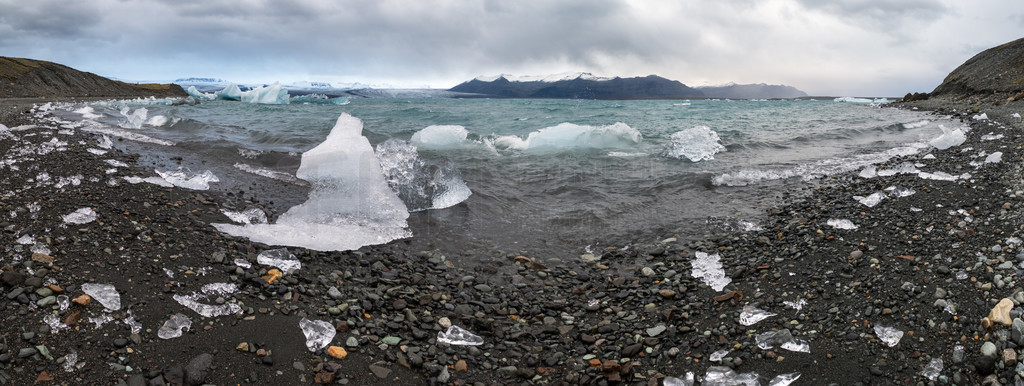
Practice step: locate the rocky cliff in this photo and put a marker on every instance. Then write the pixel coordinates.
(994, 74)
(27, 78)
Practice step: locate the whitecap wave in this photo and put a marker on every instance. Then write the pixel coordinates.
(573, 136)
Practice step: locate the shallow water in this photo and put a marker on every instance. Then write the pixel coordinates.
(559, 175)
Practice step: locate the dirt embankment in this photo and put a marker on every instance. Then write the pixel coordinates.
(28, 78)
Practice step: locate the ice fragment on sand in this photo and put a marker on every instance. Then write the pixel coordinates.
(248, 216)
(80, 216)
(686, 380)
(133, 324)
(70, 360)
(182, 179)
(318, 333)
(980, 117)
(350, 204)
(116, 163)
(899, 191)
(26, 240)
(100, 320)
(421, 184)
(991, 137)
(782, 338)
(751, 315)
(868, 172)
(994, 158)
(889, 335)
(797, 305)
(903, 168)
(243, 263)
(173, 327)
(105, 142)
(1016, 115)
(948, 139)
(724, 376)
(932, 370)
(718, 355)
(279, 258)
(152, 180)
(106, 294)
(698, 143)
(63, 302)
(53, 320)
(784, 379)
(841, 223)
(871, 200)
(96, 151)
(192, 300)
(709, 269)
(457, 336)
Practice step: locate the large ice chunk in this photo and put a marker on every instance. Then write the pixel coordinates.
(709, 269)
(350, 204)
(698, 143)
(440, 137)
(268, 95)
(890, 335)
(106, 294)
(784, 339)
(948, 139)
(230, 93)
(420, 184)
(173, 327)
(80, 216)
(573, 136)
(318, 333)
(198, 95)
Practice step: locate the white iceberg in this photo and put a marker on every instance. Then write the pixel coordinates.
(268, 95)
(350, 204)
(440, 137)
(230, 93)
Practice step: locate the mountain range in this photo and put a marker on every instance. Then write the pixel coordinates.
(587, 86)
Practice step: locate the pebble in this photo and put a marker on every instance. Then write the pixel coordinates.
(988, 349)
(656, 330)
(352, 342)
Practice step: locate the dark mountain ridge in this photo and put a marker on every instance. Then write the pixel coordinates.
(648, 87)
(28, 78)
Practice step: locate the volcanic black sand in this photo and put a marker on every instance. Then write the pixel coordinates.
(931, 264)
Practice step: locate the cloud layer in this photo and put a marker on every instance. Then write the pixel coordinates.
(842, 47)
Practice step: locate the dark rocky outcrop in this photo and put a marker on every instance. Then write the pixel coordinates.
(648, 87)
(28, 78)
(917, 96)
(752, 91)
(997, 73)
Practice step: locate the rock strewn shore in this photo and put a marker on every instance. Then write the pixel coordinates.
(619, 316)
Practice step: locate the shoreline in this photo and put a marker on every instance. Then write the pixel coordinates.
(638, 312)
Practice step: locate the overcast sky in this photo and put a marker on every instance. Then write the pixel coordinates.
(839, 47)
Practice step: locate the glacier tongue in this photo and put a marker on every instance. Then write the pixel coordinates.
(350, 204)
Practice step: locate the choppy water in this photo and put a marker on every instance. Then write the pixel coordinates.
(558, 175)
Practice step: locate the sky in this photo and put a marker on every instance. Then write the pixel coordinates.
(836, 48)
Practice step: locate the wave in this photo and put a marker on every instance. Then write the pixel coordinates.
(698, 143)
(573, 136)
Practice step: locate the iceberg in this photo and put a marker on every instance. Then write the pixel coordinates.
(350, 203)
(420, 184)
(267, 95)
(572, 136)
(229, 93)
(199, 95)
(440, 137)
(698, 143)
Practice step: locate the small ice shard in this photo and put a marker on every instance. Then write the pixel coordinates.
(26, 240)
(63, 302)
(718, 355)
(751, 315)
(457, 336)
(948, 139)
(70, 360)
(871, 200)
(106, 294)
(192, 300)
(724, 376)
(868, 172)
(889, 335)
(133, 324)
(182, 179)
(899, 191)
(116, 163)
(105, 142)
(709, 269)
(903, 168)
(318, 333)
(980, 117)
(686, 380)
(96, 151)
(153, 180)
(841, 224)
(932, 370)
(698, 143)
(53, 320)
(797, 305)
(991, 137)
(100, 320)
(784, 379)
(173, 327)
(243, 263)
(248, 216)
(1016, 115)
(994, 158)
(80, 216)
(279, 258)
(782, 338)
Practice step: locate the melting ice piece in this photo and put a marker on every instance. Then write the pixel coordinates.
(182, 179)
(116, 163)
(173, 327)
(783, 338)
(318, 333)
(420, 184)
(243, 263)
(572, 136)
(889, 335)
(991, 137)
(279, 258)
(932, 370)
(80, 216)
(903, 168)
(133, 324)
(797, 305)
(53, 320)
(698, 143)
(709, 269)
(948, 139)
(980, 117)
(457, 336)
(135, 119)
(273, 94)
(871, 200)
(784, 379)
(157, 120)
(751, 315)
(153, 180)
(106, 294)
(100, 320)
(248, 216)
(869, 172)
(105, 142)
(994, 158)
(899, 191)
(26, 240)
(208, 310)
(63, 302)
(198, 95)
(841, 224)
(231, 93)
(439, 137)
(350, 204)
(718, 355)
(70, 360)
(96, 151)
(721, 376)
(686, 380)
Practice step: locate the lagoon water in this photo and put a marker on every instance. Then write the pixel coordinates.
(547, 177)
